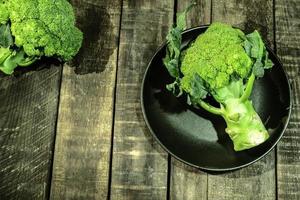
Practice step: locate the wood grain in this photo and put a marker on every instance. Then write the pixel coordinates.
(199, 15)
(256, 181)
(188, 182)
(287, 15)
(140, 166)
(27, 128)
(83, 141)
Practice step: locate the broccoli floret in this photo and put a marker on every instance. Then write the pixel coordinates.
(4, 14)
(223, 62)
(39, 28)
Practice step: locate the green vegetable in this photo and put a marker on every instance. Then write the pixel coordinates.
(223, 63)
(171, 61)
(30, 29)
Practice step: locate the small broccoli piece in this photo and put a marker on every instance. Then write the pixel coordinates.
(223, 62)
(38, 28)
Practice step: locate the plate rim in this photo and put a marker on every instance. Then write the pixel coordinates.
(212, 169)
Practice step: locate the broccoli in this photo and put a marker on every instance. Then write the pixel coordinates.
(223, 63)
(30, 29)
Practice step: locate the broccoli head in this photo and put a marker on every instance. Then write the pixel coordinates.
(223, 63)
(37, 28)
(216, 56)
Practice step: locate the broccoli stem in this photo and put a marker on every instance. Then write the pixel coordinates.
(248, 89)
(210, 108)
(28, 61)
(244, 125)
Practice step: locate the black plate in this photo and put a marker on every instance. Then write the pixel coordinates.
(196, 137)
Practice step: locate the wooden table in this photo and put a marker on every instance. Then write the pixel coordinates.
(77, 132)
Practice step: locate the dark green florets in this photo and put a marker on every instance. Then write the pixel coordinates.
(45, 27)
(31, 29)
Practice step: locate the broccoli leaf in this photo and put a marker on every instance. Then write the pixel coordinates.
(268, 63)
(171, 61)
(181, 24)
(198, 90)
(6, 39)
(4, 54)
(255, 48)
(257, 45)
(172, 66)
(258, 69)
(247, 46)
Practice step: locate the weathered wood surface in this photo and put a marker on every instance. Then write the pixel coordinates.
(140, 166)
(258, 180)
(83, 141)
(188, 182)
(27, 128)
(287, 18)
(103, 148)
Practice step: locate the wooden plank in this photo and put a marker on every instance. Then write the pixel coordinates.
(27, 128)
(140, 166)
(83, 143)
(199, 15)
(288, 43)
(187, 182)
(256, 181)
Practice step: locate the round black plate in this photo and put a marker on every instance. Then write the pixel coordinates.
(198, 138)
